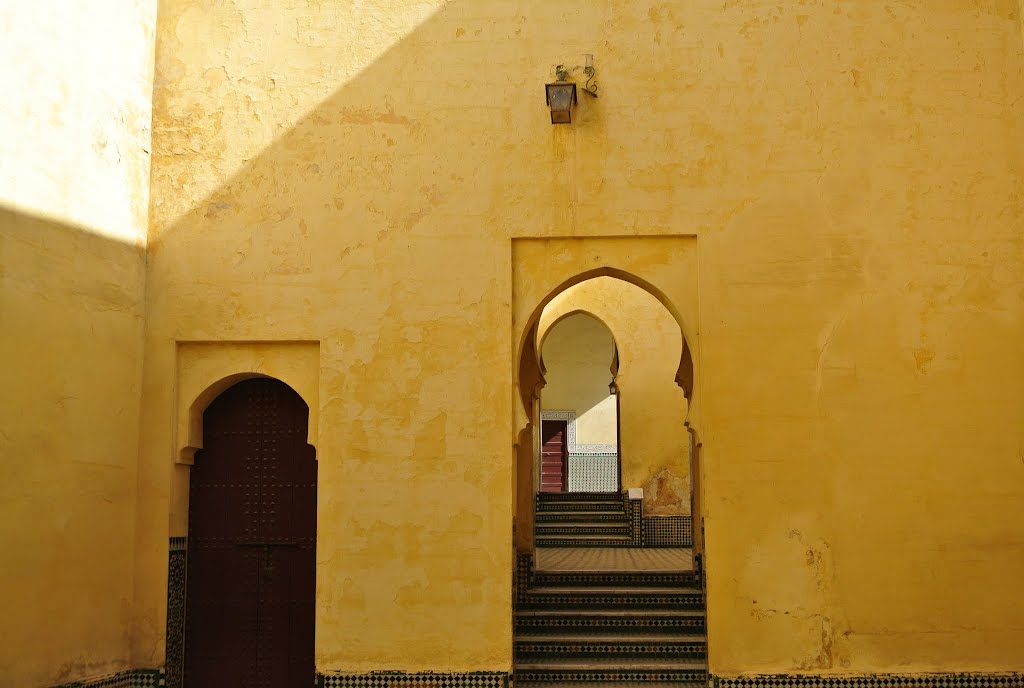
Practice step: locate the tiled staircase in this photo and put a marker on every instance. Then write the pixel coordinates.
(581, 519)
(610, 628)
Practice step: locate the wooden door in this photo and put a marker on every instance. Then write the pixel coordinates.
(251, 572)
(554, 459)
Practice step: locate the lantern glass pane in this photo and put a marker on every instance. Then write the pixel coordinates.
(561, 97)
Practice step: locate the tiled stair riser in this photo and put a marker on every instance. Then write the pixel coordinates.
(618, 508)
(603, 507)
(610, 629)
(593, 516)
(590, 529)
(596, 626)
(634, 648)
(557, 541)
(675, 677)
(694, 600)
(643, 579)
(583, 520)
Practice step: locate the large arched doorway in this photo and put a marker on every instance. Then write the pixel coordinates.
(531, 328)
(251, 573)
(609, 593)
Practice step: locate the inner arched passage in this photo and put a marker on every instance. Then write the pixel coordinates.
(579, 409)
(653, 440)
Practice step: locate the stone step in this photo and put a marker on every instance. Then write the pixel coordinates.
(576, 528)
(610, 590)
(528, 647)
(610, 638)
(576, 521)
(685, 683)
(602, 507)
(580, 579)
(616, 671)
(615, 516)
(583, 541)
(649, 621)
(594, 598)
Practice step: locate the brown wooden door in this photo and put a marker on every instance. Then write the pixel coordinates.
(251, 581)
(554, 456)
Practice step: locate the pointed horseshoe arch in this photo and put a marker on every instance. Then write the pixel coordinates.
(684, 377)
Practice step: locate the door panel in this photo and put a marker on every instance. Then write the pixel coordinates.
(251, 572)
(554, 456)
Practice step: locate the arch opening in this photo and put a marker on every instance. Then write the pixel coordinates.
(684, 376)
(534, 371)
(579, 420)
(250, 568)
(192, 433)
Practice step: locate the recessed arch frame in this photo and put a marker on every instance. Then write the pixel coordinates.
(206, 369)
(542, 268)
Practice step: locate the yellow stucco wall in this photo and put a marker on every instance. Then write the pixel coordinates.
(352, 174)
(577, 357)
(652, 407)
(74, 175)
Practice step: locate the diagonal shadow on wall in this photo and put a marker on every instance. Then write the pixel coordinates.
(378, 224)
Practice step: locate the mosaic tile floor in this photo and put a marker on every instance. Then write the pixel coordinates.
(613, 559)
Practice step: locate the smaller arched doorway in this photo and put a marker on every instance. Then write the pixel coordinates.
(251, 572)
(578, 406)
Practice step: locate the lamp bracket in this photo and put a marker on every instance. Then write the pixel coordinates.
(563, 73)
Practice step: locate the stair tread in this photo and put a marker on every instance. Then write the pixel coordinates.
(582, 536)
(619, 589)
(609, 613)
(583, 508)
(605, 572)
(582, 524)
(596, 512)
(613, 638)
(591, 513)
(605, 503)
(682, 683)
(613, 663)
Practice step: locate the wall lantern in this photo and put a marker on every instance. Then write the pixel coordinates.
(561, 96)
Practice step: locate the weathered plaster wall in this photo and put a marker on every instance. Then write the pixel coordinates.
(74, 174)
(352, 174)
(75, 117)
(577, 355)
(652, 407)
